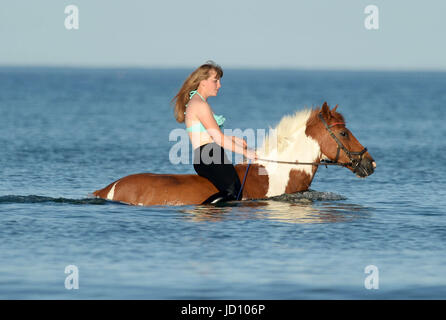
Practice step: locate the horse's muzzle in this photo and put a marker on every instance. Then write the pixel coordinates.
(365, 168)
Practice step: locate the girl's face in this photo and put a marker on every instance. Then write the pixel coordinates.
(211, 85)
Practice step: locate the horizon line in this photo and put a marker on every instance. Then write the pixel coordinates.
(233, 67)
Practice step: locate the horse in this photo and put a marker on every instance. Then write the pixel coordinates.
(304, 140)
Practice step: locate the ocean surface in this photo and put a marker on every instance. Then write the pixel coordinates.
(67, 132)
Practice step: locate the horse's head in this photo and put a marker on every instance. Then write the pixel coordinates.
(337, 143)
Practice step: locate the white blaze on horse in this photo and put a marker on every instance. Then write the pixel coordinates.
(308, 137)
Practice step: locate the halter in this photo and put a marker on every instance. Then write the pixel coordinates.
(354, 162)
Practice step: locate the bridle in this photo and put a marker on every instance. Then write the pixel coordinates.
(354, 162)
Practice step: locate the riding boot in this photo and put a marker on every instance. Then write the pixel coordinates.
(215, 198)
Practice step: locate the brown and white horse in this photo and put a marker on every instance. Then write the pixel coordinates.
(308, 136)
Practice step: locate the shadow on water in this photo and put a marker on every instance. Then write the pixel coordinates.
(42, 199)
(304, 207)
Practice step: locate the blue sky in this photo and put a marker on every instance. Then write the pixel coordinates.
(306, 34)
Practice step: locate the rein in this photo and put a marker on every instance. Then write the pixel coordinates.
(244, 179)
(322, 163)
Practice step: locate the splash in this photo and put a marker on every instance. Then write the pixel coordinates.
(308, 196)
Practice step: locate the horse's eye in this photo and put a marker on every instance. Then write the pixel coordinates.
(343, 133)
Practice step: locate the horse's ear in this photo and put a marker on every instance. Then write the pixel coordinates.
(325, 110)
(334, 109)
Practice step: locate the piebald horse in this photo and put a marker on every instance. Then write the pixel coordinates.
(311, 136)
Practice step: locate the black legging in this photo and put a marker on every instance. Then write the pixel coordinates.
(219, 170)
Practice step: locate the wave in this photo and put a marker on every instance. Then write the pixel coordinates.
(298, 197)
(42, 199)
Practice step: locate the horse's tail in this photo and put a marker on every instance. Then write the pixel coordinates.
(107, 192)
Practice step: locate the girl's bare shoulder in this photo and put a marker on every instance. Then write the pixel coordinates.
(198, 107)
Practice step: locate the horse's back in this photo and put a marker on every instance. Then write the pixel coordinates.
(153, 189)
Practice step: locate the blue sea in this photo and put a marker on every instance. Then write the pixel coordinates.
(65, 132)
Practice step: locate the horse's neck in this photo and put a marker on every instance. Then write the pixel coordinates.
(285, 178)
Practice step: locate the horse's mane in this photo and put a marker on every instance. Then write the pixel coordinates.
(279, 136)
(288, 126)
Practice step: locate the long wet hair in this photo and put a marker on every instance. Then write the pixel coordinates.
(191, 83)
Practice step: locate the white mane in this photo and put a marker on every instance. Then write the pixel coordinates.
(287, 142)
(284, 133)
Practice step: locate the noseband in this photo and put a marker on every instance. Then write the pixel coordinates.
(354, 162)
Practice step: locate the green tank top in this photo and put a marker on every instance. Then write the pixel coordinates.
(199, 126)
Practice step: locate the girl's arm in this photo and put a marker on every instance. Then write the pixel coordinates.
(227, 142)
(239, 141)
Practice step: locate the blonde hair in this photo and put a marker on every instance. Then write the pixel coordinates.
(191, 83)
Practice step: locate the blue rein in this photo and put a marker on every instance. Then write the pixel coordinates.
(244, 179)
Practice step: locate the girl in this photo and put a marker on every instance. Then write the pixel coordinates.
(204, 128)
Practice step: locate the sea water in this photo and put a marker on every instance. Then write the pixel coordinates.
(67, 132)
